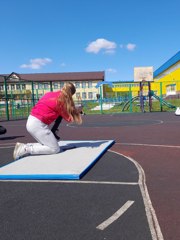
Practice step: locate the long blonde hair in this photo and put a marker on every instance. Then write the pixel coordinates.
(66, 98)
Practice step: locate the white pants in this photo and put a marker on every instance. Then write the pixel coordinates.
(47, 143)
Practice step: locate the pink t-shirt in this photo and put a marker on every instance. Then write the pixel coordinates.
(46, 109)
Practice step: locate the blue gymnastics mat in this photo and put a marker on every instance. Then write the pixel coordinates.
(76, 158)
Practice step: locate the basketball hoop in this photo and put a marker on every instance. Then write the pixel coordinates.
(143, 74)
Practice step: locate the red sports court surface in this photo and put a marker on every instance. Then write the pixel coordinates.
(151, 139)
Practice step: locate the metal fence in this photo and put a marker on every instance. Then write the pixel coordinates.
(136, 97)
(125, 98)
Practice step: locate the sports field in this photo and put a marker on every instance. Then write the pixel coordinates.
(131, 193)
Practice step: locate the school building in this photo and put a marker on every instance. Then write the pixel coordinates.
(28, 86)
(166, 82)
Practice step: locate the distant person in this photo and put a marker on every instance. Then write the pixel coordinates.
(51, 106)
(150, 95)
(98, 96)
(141, 98)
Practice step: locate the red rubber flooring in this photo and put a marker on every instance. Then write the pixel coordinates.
(151, 139)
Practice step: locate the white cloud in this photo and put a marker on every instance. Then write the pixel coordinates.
(129, 46)
(36, 63)
(111, 70)
(63, 64)
(99, 44)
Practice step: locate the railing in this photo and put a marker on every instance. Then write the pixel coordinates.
(18, 105)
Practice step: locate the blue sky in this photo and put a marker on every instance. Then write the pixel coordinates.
(46, 36)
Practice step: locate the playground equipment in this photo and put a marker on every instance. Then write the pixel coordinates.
(144, 75)
(140, 98)
(137, 99)
(127, 104)
(169, 105)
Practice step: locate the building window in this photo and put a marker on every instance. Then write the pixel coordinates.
(40, 86)
(90, 95)
(55, 85)
(61, 84)
(36, 85)
(23, 86)
(78, 96)
(18, 87)
(77, 84)
(1, 87)
(84, 95)
(89, 84)
(12, 87)
(83, 84)
(46, 85)
(171, 89)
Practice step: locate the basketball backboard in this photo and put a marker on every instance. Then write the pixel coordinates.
(142, 74)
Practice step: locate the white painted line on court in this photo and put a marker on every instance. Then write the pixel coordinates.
(148, 145)
(115, 216)
(7, 143)
(6, 146)
(72, 181)
(2, 145)
(150, 212)
(77, 126)
(128, 144)
(15, 125)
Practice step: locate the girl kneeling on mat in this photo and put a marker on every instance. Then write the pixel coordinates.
(47, 110)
